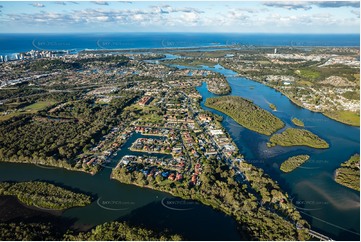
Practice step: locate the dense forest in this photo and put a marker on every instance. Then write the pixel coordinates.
(28, 231)
(111, 231)
(349, 173)
(55, 138)
(297, 137)
(246, 113)
(116, 231)
(44, 195)
(293, 162)
(249, 205)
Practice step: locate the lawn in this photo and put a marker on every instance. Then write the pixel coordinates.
(38, 106)
(309, 74)
(33, 108)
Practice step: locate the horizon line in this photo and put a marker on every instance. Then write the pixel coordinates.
(167, 32)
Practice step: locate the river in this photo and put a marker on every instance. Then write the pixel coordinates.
(330, 208)
(138, 206)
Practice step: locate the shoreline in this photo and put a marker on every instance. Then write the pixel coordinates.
(293, 100)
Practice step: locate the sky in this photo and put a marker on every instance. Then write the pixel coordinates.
(180, 16)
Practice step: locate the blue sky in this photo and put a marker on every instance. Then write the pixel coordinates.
(186, 16)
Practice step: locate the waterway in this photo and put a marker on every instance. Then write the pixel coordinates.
(330, 208)
(138, 206)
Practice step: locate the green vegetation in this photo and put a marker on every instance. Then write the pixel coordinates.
(44, 195)
(293, 162)
(39, 105)
(347, 117)
(349, 173)
(219, 189)
(246, 114)
(309, 74)
(218, 85)
(273, 107)
(112, 231)
(119, 231)
(28, 232)
(31, 109)
(296, 137)
(352, 95)
(56, 139)
(298, 122)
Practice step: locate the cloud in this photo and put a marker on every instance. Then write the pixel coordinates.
(60, 3)
(356, 12)
(289, 5)
(180, 18)
(337, 4)
(308, 5)
(37, 5)
(100, 2)
(166, 9)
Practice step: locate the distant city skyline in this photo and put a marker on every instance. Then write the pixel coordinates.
(176, 16)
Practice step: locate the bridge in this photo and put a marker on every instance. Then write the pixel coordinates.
(319, 236)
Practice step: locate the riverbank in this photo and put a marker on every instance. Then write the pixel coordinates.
(349, 173)
(43, 195)
(349, 118)
(50, 166)
(235, 201)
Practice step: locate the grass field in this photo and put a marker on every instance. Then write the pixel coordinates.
(309, 74)
(305, 83)
(39, 106)
(347, 117)
(33, 108)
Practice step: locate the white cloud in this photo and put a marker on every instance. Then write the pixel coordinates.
(356, 12)
(289, 5)
(60, 3)
(37, 5)
(100, 2)
(164, 16)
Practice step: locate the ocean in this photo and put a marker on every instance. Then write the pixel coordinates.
(11, 44)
